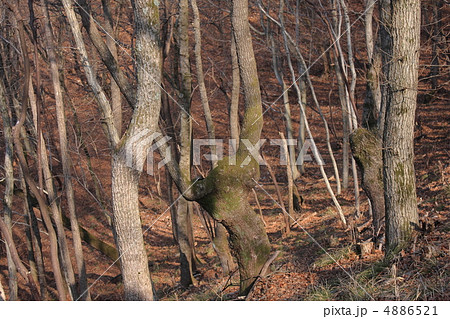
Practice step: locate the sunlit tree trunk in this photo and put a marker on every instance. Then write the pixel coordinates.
(125, 179)
(235, 92)
(116, 98)
(401, 20)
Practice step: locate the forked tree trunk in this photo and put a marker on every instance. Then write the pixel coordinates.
(227, 186)
(401, 19)
(134, 143)
(126, 221)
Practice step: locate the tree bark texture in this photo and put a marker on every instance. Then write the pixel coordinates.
(401, 21)
(366, 149)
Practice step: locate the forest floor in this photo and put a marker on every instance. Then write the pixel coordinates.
(318, 259)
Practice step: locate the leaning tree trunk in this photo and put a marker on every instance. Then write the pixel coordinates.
(401, 20)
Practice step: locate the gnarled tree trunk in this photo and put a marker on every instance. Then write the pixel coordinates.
(230, 184)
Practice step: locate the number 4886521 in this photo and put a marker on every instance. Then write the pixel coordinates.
(411, 311)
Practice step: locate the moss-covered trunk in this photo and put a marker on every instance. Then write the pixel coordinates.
(366, 150)
(224, 192)
(228, 204)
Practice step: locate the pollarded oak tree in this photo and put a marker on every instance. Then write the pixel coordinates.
(366, 141)
(224, 192)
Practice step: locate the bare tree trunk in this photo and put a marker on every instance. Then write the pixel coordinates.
(201, 77)
(43, 205)
(301, 126)
(66, 263)
(290, 178)
(134, 144)
(436, 39)
(336, 24)
(401, 20)
(183, 221)
(352, 118)
(287, 109)
(286, 227)
(116, 98)
(65, 158)
(366, 142)
(35, 239)
(220, 238)
(228, 202)
(372, 99)
(9, 190)
(127, 225)
(235, 92)
(18, 263)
